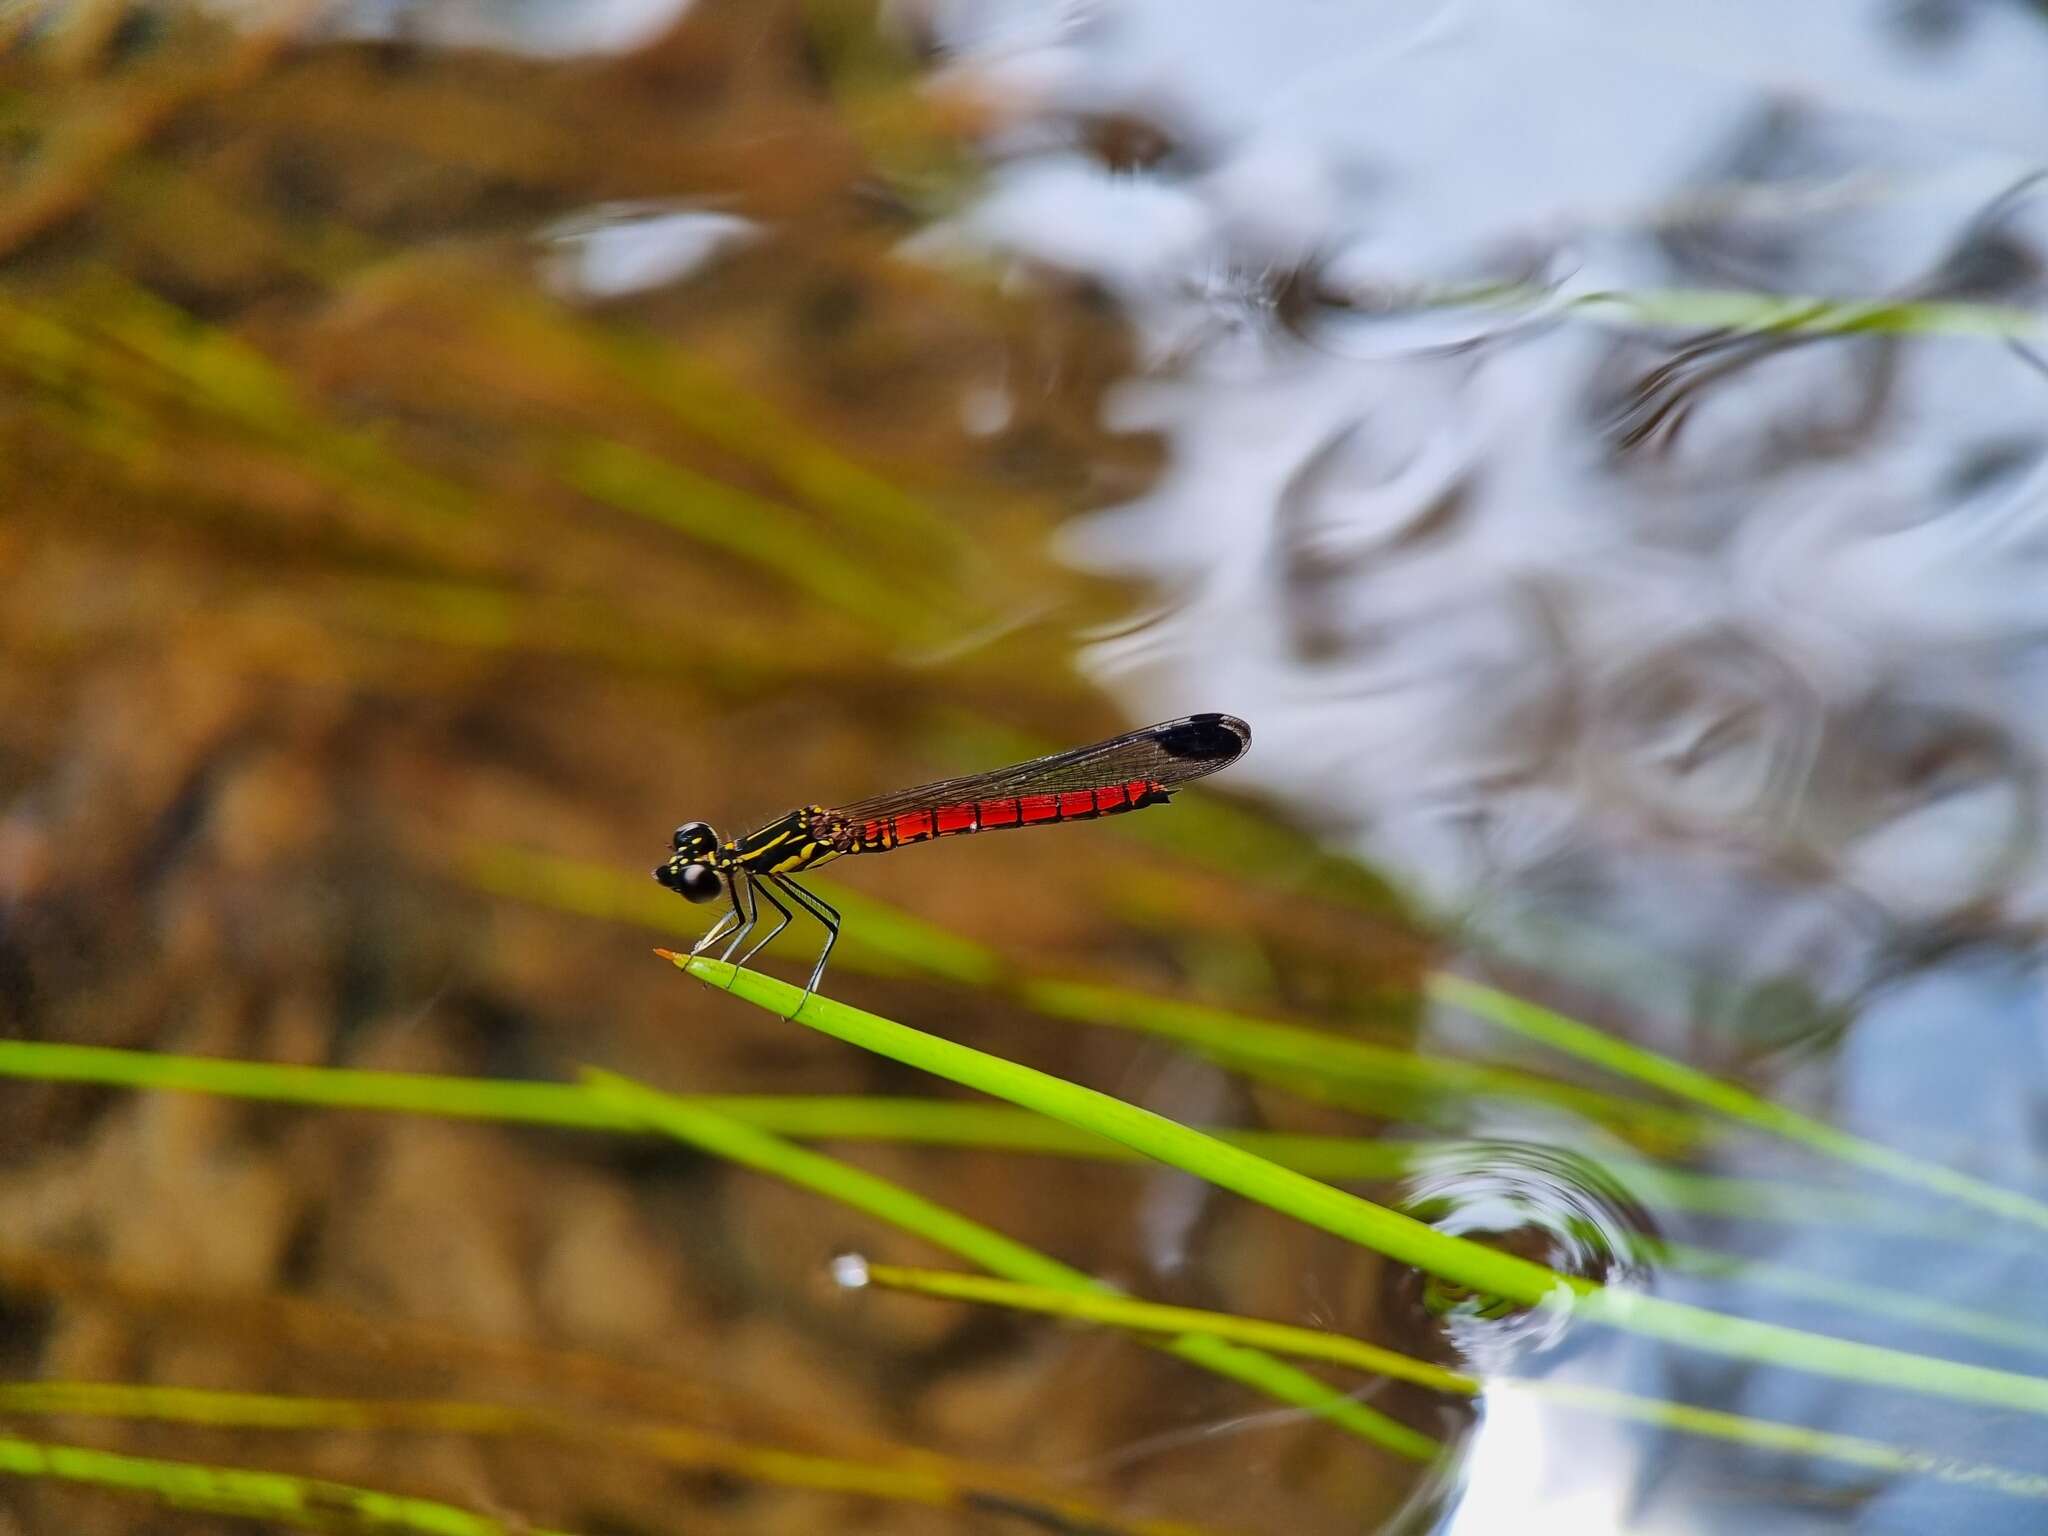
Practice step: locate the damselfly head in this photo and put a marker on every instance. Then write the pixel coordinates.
(692, 882)
(689, 873)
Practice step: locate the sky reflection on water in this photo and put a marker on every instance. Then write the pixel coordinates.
(1702, 667)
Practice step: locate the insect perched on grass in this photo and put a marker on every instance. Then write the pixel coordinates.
(1125, 773)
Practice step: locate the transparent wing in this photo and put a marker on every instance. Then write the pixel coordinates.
(1167, 754)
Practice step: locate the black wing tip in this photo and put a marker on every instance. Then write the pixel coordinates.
(1210, 738)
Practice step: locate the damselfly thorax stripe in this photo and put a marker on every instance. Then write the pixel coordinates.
(1125, 773)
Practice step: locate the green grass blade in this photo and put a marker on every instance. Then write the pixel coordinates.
(254, 1410)
(240, 1493)
(1857, 1296)
(1619, 1056)
(1268, 1050)
(908, 1477)
(849, 1186)
(1763, 314)
(882, 939)
(714, 407)
(752, 528)
(1283, 1053)
(932, 1122)
(941, 1123)
(556, 1104)
(1782, 1201)
(1340, 1349)
(938, 1122)
(886, 1201)
(1751, 313)
(885, 939)
(1767, 1435)
(1115, 1310)
(1399, 1237)
(1388, 1232)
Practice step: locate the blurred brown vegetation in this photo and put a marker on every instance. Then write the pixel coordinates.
(335, 549)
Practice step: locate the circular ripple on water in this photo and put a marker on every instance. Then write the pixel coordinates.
(1545, 1204)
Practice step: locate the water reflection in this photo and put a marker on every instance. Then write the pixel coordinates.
(1665, 637)
(1542, 1203)
(543, 27)
(1931, 809)
(626, 248)
(1696, 665)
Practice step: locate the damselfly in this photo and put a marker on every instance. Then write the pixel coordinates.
(1125, 773)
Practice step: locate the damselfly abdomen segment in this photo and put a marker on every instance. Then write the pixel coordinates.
(1125, 773)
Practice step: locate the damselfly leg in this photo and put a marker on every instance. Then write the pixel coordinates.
(759, 944)
(746, 891)
(826, 915)
(753, 907)
(728, 922)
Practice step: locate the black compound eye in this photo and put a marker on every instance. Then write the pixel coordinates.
(694, 834)
(693, 882)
